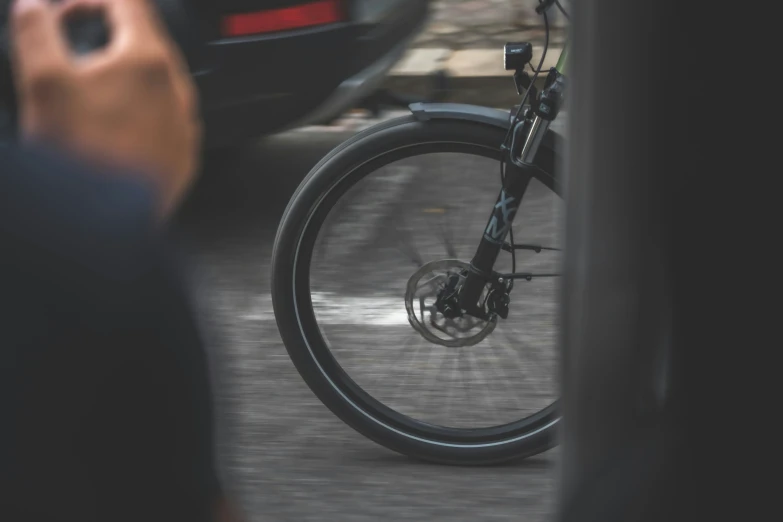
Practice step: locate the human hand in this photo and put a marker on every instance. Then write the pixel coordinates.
(130, 105)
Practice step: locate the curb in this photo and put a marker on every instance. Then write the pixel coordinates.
(473, 76)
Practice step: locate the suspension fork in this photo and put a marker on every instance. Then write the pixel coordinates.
(527, 137)
(481, 272)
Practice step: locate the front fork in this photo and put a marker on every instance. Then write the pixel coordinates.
(527, 136)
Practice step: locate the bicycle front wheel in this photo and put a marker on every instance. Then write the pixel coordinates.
(398, 205)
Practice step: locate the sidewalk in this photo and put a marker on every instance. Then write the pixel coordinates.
(464, 40)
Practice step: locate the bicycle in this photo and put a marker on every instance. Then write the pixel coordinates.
(451, 304)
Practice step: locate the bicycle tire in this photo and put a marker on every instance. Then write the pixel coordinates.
(310, 354)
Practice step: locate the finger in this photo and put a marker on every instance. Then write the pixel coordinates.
(180, 63)
(68, 8)
(187, 98)
(134, 22)
(38, 48)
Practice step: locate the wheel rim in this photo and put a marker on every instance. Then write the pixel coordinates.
(321, 309)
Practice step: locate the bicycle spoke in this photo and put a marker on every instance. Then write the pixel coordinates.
(502, 370)
(401, 387)
(448, 239)
(534, 248)
(450, 394)
(411, 251)
(481, 385)
(526, 275)
(463, 366)
(532, 352)
(412, 346)
(487, 399)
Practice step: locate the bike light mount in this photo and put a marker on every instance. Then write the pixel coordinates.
(516, 55)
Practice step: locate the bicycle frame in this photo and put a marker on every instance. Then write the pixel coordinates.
(527, 135)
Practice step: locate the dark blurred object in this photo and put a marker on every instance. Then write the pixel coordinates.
(623, 432)
(266, 82)
(106, 409)
(266, 65)
(657, 194)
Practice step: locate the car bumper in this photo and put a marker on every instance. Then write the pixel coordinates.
(268, 84)
(356, 88)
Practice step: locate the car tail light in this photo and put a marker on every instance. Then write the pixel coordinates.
(322, 12)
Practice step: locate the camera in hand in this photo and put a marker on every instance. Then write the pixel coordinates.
(85, 32)
(89, 31)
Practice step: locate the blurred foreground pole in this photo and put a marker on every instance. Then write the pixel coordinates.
(621, 427)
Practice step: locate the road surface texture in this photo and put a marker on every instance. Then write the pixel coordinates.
(463, 43)
(284, 453)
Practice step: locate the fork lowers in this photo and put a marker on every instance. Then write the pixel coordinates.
(494, 237)
(527, 136)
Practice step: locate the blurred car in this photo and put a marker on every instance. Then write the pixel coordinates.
(270, 65)
(263, 66)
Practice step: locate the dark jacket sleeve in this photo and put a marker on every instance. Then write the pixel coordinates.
(105, 407)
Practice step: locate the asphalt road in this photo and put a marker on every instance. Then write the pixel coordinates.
(284, 453)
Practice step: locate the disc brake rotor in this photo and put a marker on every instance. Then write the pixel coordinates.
(421, 294)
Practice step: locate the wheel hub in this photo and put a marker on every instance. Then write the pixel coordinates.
(432, 303)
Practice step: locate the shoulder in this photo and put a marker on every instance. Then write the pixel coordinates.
(60, 216)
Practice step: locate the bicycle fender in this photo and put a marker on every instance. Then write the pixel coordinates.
(476, 113)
